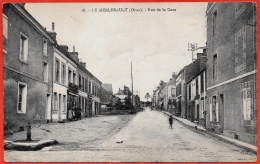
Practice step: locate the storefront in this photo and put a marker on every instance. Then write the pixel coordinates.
(72, 96)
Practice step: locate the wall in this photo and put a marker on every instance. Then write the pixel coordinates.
(229, 80)
(30, 73)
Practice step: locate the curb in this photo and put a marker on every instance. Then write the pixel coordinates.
(215, 136)
(22, 146)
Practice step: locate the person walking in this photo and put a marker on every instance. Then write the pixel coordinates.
(170, 122)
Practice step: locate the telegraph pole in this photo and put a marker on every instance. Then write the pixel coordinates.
(192, 47)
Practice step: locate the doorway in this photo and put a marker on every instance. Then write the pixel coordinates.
(222, 112)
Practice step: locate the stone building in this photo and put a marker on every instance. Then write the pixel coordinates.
(193, 85)
(196, 97)
(185, 108)
(170, 95)
(28, 65)
(41, 78)
(231, 71)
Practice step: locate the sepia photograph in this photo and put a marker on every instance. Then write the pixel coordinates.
(130, 82)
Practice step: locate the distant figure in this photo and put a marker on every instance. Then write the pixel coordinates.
(170, 122)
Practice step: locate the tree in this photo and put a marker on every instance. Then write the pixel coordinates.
(118, 104)
(161, 83)
(128, 103)
(147, 96)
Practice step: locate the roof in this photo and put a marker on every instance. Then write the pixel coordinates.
(120, 92)
(108, 88)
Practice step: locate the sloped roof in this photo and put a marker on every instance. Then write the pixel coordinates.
(120, 92)
(108, 88)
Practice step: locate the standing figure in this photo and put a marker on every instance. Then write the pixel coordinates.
(170, 122)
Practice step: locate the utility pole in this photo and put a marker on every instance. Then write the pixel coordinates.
(192, 47)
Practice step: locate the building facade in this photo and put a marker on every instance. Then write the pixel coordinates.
(28, 60)
(196, 97)
(170, 98)
(41, 78)
(231, 72)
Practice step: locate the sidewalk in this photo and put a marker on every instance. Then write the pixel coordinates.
(202, 130)
(75, 135)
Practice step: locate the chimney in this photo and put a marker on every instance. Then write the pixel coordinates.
(201, 55)
(64, 48)
(83, 64)
(53, 27)
(53, 33)
(74, 55)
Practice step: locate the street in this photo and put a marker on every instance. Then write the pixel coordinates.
(143, 137)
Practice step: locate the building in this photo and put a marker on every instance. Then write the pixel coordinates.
(231, 71)
(196, 97)
(41, 78)
(184, 108)
(193, 82)
(170, 95)
(161, 95)
(181, 94)
(107, 96)
(28, 64)
(121, 95)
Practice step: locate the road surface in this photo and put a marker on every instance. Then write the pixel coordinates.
(145, 138)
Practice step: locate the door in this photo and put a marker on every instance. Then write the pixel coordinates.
(222, 112)
(198, 112)
(48, 107)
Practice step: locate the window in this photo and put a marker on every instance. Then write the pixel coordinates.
(89, 86)
(93, 89)
(202, 82)
(22, 96)
(45, 47)
(189, 91)
(79, 105)
(197, 87)
(5, 32)
(74, 77)
(83, 83)
(60, 105)
(63, 73)
(86, 85)
(57, 70)
(215, 113)
(80, 86)
(215, 66)
(215, 23)
(173, 92)
(45, 72)
(69, 76)
(64, 104)
(247, 100)
(240, 50)
(56, 105)
(239, 8)
(23, 47)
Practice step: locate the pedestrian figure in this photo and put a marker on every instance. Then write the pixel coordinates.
(170, 122)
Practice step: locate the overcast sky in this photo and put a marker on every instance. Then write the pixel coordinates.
(156, 42)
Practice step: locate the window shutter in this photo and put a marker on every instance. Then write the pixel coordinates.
(210, 108)
(217, 113)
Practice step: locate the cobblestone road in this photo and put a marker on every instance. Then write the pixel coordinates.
(145, 138)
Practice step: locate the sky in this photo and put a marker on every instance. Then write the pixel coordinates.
(156, 42)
